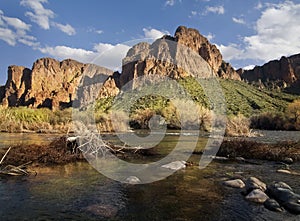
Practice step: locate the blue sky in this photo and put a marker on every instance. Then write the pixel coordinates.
(246, 32)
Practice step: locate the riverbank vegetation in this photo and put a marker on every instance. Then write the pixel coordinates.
(247, 107)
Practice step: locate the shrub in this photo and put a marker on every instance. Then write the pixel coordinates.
(238, 126)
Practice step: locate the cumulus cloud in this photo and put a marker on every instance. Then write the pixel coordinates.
(215, 9)
(13, 30)
(105, 55)
(110, 56)
(43, 16)
(8, 36)
(231, 51)
(39, 14)
(68, 29)
(154, 33)
(277, 34)
(64, 52)
(238, 20)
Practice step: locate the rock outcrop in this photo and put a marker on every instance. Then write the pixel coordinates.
(168, 57)
(52, 84)
(17, 86)
(281, 73)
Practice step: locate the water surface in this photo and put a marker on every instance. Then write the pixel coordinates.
(78, 192)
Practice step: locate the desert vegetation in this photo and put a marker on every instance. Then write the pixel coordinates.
(247, 107)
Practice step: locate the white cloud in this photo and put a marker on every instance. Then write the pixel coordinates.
(8, 36)
(215, 9)
(99, 32)
(210, 36)
(105, 55)
(68, 29)
(39, 14)
(16, 23)
(238, 20)
(193, 13)
(64, 52)
(249, 67)
(259, 6)
(169, 2)
(154, 33)
(277, 34)
(13, 30)
(42, 16)
(232, 51)
(110, 56)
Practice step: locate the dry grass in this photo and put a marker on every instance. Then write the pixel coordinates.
(238, 126)
(262, 151)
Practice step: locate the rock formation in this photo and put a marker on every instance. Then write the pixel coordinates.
(284, 72)
(17, 86)
(52, 84)
(168, 57)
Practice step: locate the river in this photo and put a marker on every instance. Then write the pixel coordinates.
(79, 192)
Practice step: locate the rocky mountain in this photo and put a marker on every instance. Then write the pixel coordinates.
(168, 57)
(277, 73)
(52, 84)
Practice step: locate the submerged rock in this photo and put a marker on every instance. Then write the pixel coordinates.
(285, 196)
(257, 196)
(273, 205)
(237, 183)
(176, 165)
(253, 183)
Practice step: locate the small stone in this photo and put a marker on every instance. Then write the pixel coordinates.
(220, 158)
(284, 171)
(288, 160)
(133, 180)
(176, 165)
(273, 205)
(257, 196)
(237, 183)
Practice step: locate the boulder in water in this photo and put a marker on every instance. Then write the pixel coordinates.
(253, 183)
(273, 205)
(237, 183)
(257, 196)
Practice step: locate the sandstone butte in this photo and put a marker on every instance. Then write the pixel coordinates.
(55, 85)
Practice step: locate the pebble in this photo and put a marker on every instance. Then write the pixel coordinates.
(176, 165)
(237, 183)
(133, 180)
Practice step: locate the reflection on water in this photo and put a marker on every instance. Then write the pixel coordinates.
(12, 139)
(78, 192)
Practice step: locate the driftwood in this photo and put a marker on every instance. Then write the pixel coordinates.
(13, 170)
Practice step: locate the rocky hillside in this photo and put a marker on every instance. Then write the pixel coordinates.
(51, 84)
(167, 57)
(278, 73)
